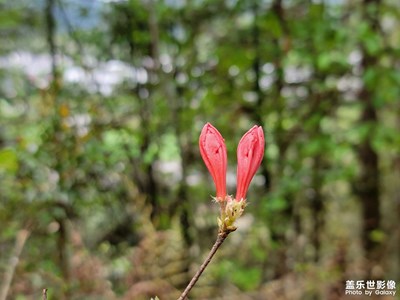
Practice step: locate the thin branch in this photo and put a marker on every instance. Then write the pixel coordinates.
(50, 35)
(22, 236)
(220, 239)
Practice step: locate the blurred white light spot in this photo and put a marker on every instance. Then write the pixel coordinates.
(268, 68)
(141, 76)
(181, 78)
(355, 57)
(250, 96)
(233, 71)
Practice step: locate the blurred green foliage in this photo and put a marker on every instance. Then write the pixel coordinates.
(101, 106)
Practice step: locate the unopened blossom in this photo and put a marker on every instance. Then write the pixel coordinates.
(250, 153)
(213, 151)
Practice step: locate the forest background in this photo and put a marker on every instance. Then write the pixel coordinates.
(103, 193)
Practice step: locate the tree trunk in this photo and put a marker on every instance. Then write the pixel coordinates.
(367, 187)
(368, 182)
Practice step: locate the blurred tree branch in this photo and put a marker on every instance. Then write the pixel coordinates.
(220, 239)
(22, 236)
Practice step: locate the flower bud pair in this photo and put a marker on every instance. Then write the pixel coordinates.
(250, 153)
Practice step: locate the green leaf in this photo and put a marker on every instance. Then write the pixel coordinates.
(8, 160)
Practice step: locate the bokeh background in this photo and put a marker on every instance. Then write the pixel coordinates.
(103, 194)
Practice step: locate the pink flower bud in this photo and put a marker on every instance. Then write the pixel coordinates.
(250, 153)
(213, 151)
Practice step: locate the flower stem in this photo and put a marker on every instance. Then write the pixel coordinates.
(220, 239)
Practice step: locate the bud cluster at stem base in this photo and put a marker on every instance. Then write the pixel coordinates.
(231, 210)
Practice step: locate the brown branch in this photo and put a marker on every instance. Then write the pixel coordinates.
(220, 239)
(44, 294)
(22, 236)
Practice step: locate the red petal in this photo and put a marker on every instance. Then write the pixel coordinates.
(213, 151)
(250, 153)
